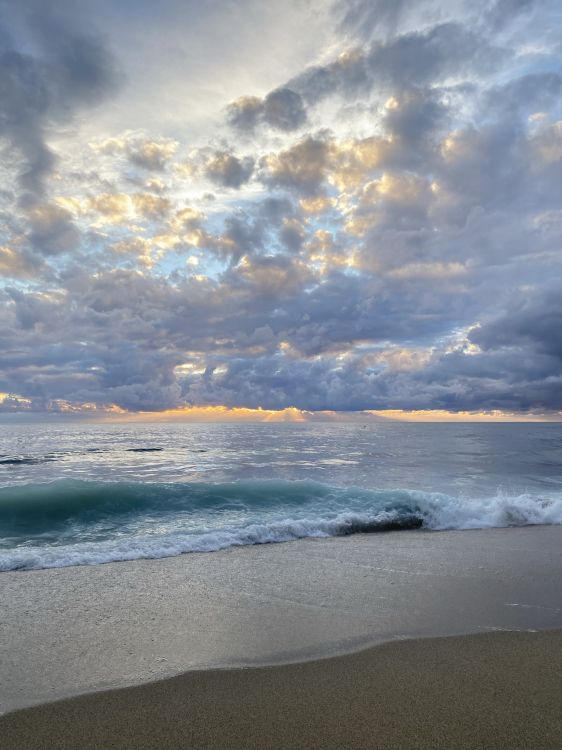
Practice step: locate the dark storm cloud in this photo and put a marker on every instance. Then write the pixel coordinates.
(50, 65)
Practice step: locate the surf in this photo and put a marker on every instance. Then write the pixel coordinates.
(79, 522)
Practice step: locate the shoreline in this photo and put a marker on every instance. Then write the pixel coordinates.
(491, 690)
(75, 630)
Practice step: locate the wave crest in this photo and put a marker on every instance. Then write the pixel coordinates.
(77, 522)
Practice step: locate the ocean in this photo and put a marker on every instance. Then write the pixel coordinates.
(79, 494)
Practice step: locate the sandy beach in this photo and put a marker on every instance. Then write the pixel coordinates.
(499, 690)
(316, 643)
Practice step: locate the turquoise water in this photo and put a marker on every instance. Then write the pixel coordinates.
(83, 494)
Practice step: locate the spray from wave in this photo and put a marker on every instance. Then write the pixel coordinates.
(73, 522)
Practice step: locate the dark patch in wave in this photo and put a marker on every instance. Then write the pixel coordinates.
(372, 527)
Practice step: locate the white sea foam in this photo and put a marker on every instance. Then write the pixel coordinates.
(315, 511)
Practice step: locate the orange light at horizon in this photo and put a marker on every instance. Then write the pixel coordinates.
(441, 415)
(221, 413)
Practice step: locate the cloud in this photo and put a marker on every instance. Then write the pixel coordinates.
(282, 109)
(61, 67)
(503, 12)
(151, 206)
(412, 59)
(380, 231)
(368, 16)
(302, 167)
(532, 321)
(141, 151)
(16, 264)
(229, 170)
(387, 18)
(115, 207)
(415, 115)
(52, 230)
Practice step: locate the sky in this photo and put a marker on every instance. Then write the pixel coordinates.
(286, 208)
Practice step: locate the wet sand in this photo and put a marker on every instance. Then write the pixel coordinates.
(261, 646)
(485, 692)
(75, 630)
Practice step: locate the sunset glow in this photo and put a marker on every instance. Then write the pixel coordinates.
(288, 209)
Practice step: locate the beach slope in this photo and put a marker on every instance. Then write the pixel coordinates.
(493, 690)
(68, 631)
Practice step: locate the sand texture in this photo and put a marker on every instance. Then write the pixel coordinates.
(489, 691)
(75, 630)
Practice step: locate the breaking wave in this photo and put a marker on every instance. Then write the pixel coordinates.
(73, 522)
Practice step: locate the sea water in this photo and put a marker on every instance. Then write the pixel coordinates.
(75, 493)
